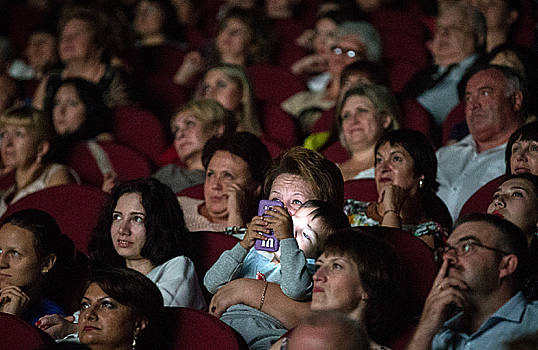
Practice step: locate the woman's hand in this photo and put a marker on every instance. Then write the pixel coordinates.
(258, 224)
(279, 220)
(391, 199)
(309, 65)
(193, 63)
(110, 180)
(13, 300)
(57, 326)
(237, 204)
(233, 293)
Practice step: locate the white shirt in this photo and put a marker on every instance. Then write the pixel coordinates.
(461, 171)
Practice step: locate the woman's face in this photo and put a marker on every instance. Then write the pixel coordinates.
(394, 165)
(326, 34)
(190, 135)
(149, 18)
(19, 147)
(41, 50)
(291, 190)
(76, 40)
(362, 124)
(69, 112)
(220, 88)
(128, 230)
(225, 174)
(104, 322)
(234, 39)
(524, 157)
(337, 285)
(515, 200)
(19, 265)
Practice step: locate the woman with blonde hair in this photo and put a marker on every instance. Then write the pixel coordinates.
(26, 133)
(194, 124)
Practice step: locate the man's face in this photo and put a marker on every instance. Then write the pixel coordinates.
(479, 268)
(490, 113)
(454, 39)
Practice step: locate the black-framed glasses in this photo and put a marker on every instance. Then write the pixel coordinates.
(349, 52)
(463, 248)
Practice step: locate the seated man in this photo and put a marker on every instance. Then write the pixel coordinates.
(493, 100)
(459, 39)
(481, 276)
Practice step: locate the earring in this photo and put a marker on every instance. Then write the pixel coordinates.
(420, 184)
(44, 271)
(134, 340)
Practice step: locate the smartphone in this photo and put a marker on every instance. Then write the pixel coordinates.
(272, 243)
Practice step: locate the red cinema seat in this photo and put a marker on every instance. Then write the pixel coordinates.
(364, 190)
(16, 334)
(480, 200)
(196, 192)
(191, 329)
(75, 208)
(454, 117)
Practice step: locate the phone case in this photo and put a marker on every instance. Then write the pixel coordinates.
(272, 243)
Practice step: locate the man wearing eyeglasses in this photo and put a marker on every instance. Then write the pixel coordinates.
(481, 277)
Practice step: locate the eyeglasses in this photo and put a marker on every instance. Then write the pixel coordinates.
(349, 52)
(462, 249)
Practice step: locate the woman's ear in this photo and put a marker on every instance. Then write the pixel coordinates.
(258, 190)
(220, 130)
(49, 262)
(43, 149)
(386, 119)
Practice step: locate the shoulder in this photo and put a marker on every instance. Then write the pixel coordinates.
(58, 174)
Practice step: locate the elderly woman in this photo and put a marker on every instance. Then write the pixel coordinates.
(34, 261)
(26, 135)
(118, 306)
(358, 275)
(364, 114)
(405, 175)
(85, 49)
(192, 126)
(356, 41)
(299, 175)
(234, 167)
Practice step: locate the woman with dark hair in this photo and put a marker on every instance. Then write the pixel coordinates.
(521, 154)
(83, 125)
(405, 175)
(141, 227)
(35, 261)
(85, 48)
(234, 167)
(119, 305)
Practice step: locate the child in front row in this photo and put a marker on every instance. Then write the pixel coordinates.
(292, 266)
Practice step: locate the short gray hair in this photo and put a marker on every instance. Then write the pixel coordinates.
(366, 34)
(473, 17)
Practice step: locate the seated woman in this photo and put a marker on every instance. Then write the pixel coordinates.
(357, 275)
(365, 113)
(26, 135)
(194, 124)
(405, 175)
(234, 168)
(141, 227)
(521, 154)
(35, 260)
(120, 310)
(83, 125)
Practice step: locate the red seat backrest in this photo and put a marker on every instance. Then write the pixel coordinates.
(364, 190)
(273, 83)
(480, 200)
(454, 117)
(127, 164)
(75, 208)
(206, 248)
(336, 153)
(191, 329)
(16, 334)
(196, 192)
(140, 130)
